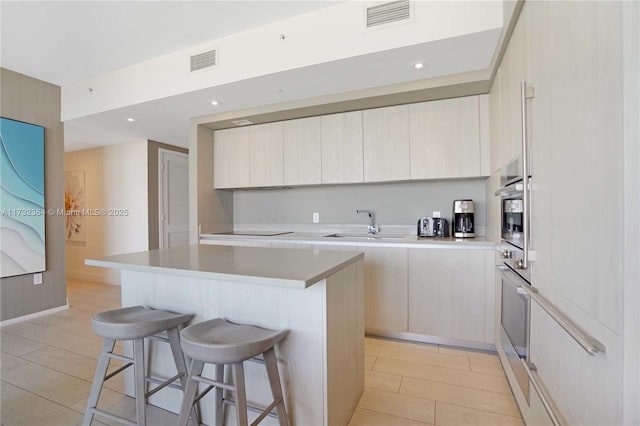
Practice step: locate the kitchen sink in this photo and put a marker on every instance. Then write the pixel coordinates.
(367, 236)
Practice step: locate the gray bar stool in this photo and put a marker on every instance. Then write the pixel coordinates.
(220, 342)
(134, 323)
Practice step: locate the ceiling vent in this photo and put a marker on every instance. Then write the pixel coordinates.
(204, 60)
(388, 13)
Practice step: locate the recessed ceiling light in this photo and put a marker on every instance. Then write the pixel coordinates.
(215, 103)
(131, 119)
(242, 122)
(418, 65)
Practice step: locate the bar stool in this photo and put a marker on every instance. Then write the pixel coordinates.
(220, 342)
(134, 323)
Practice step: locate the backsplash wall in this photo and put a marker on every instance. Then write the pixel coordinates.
(393, 203)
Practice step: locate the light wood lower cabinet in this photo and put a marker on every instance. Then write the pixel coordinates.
(447, 293)
(385, 281)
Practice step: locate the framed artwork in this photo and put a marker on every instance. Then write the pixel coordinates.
(74, 204)
(22, 210)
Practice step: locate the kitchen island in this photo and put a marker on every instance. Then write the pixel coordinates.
(316, 294)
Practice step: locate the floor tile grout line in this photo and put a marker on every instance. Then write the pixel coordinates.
(480, 409)
(509, 393)
(438, 366)
(393, 415)
(460, 386)
(423, 363)
(44, 398)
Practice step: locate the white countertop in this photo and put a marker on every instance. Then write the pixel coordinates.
(270, 266)
(320, 239)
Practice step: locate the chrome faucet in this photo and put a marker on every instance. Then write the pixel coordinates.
(372, 228)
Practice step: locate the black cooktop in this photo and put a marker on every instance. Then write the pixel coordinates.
(255, 233)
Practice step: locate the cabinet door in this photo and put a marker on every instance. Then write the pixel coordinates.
(512, 72)
(342, 148)
(495, 124)
(517, 73)
(302, 151)
(386, 144)
(447, 293)
(445, 138)
(231, 158)
(385, 278)
(266, 154)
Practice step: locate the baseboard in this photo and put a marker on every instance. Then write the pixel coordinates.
(35, 315)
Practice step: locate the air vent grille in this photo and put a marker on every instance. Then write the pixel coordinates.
(389, 12)
(204, 60)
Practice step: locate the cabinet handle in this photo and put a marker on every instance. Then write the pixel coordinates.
(524, 263)
(541, 393)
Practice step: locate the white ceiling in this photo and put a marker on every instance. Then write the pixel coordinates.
(64, 42)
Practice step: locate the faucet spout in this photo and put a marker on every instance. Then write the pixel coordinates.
(372, 228)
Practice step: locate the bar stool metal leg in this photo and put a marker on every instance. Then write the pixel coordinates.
(271, 363)
(219, 394)
(181, 366)
(138, 366)
(98, 380)
(240, 394)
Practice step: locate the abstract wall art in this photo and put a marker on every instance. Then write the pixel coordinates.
(22, 210)
(74, 203)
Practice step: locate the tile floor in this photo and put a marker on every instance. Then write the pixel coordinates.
(47, 367)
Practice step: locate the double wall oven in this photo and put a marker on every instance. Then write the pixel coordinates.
(514, 272)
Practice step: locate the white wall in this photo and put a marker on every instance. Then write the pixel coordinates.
(115, 178)
(260, 52)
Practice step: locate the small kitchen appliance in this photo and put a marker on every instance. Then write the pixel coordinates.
(463, 219)
(425, 227)
(433, 227)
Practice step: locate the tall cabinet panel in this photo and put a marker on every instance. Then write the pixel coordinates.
(266, 155)
(495, 125)
(573, 60)
(302, 151)
(386, 144)
(231, 158)
(342, 148)
(445, 138)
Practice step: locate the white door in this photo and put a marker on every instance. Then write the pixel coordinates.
(173, 198)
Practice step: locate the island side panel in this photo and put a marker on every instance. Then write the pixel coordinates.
(345, 342)
(301, 356)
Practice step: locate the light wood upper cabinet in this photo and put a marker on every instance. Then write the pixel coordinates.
(445, 299)
(266, 154)
(302, 151)
(231, 158)
(342, 148)
(445, 138)
(386, 144)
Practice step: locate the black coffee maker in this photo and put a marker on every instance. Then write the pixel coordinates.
(463, 211)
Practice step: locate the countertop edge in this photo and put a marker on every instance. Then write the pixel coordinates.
(219, 276)
(354, 242)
